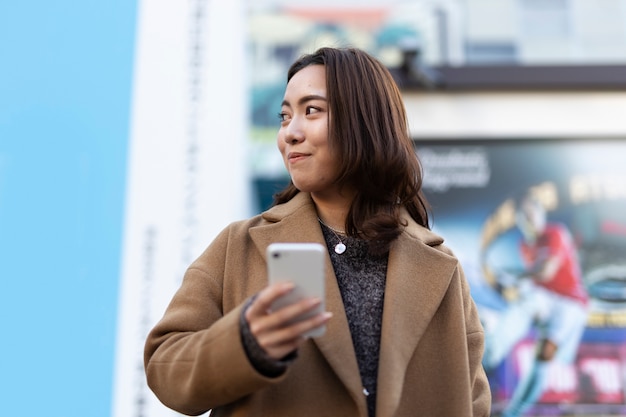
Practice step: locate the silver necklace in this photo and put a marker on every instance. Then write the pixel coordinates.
(339, 247)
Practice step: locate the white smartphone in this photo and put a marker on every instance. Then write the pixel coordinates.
(302, 264)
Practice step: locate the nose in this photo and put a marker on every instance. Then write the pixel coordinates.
(293, 132)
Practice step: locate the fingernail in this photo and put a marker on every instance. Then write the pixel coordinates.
(314, 301)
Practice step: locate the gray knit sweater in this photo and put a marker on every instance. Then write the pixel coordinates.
(361, 278)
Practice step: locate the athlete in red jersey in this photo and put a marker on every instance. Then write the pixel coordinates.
(552, 260)
(555, 300)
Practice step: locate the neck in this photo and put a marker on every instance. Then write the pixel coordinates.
(333, 229)
(333, 212)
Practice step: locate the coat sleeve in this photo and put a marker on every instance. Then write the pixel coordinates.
(481, 391)
(194, 357)
(475, 334)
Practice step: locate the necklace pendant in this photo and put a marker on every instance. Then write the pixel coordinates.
(340, 248)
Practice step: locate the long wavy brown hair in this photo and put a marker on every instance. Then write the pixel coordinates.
(368, 130)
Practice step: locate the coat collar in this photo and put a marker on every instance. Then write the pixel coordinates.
(417, 278)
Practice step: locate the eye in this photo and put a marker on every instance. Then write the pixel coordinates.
(283, 117)
(312, 110)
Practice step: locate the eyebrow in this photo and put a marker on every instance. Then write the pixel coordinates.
(305, 99)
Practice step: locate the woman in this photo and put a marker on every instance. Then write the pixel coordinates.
(403, 335)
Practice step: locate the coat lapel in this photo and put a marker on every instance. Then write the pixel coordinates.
(417, 279)
(296, 221)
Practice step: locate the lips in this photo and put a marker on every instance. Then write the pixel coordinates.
(296, 156)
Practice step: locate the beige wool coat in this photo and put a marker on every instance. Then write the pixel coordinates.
(431, 341)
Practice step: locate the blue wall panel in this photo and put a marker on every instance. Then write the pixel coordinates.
(65, 94)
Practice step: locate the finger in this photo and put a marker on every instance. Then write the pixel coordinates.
(285, 316)
(279, 343)
(293, 332)
(301, 328)
(280, 351)
(262, 303)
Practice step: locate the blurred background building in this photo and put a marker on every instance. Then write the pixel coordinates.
(468, 68)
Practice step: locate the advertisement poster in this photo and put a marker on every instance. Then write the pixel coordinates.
(484, 196)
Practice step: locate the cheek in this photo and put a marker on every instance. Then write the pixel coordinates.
(280, 143)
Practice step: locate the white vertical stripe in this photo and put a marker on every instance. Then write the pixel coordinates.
(187, 172)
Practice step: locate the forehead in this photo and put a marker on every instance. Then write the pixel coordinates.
(309, 80)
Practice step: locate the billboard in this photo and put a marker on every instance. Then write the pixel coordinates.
(477, 190)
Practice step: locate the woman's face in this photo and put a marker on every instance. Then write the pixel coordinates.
(303, 133)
